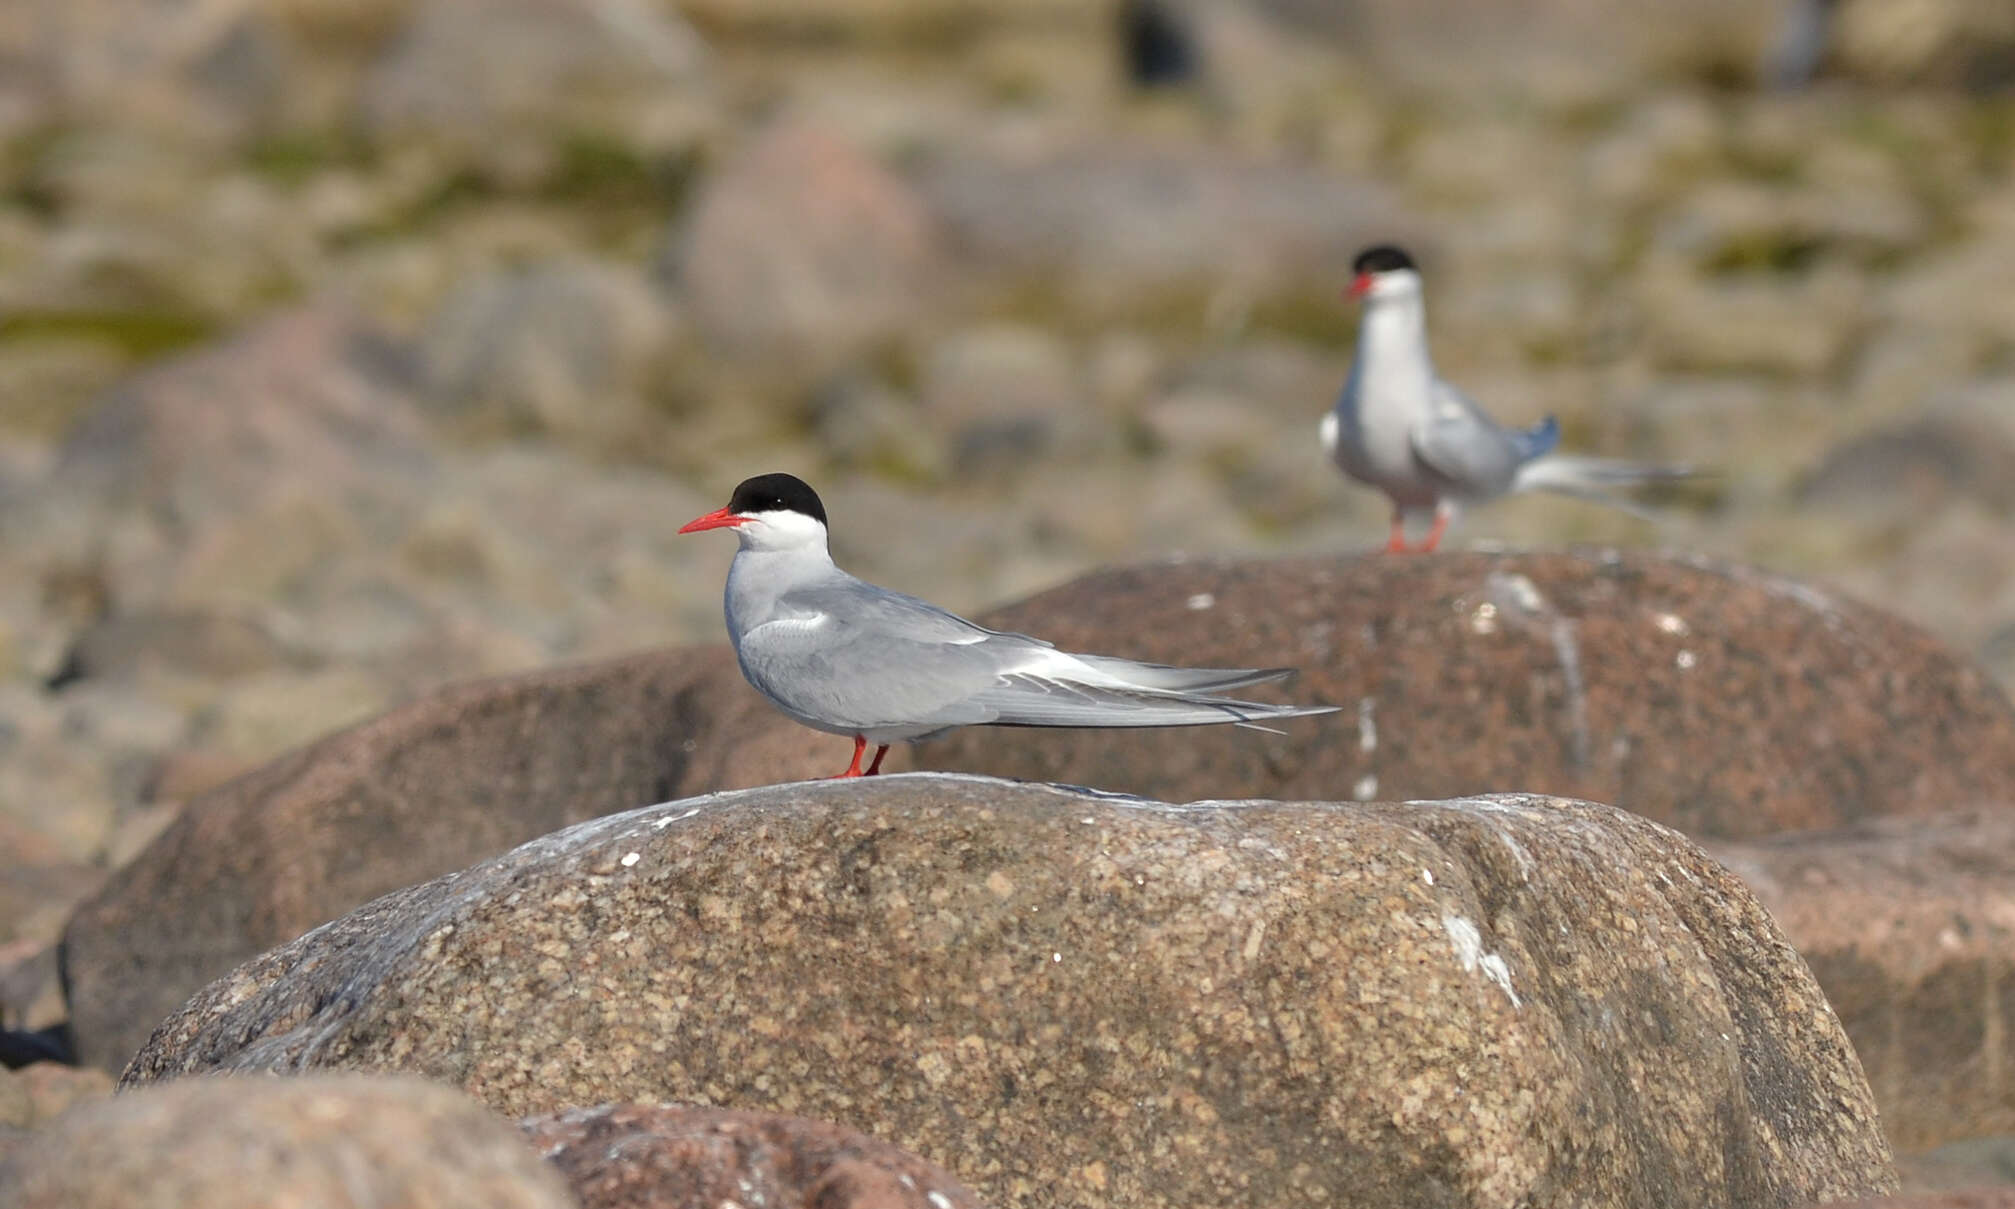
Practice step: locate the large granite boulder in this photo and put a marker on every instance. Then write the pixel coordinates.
(675, 1156)
(1723, 701)
(326, 1142)
(1065, 995)
(428, 788)
(1909, 925)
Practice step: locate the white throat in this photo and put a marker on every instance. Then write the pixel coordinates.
(783, 532)
(1392, 333)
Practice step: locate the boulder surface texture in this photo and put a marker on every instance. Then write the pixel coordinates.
(1065, 996)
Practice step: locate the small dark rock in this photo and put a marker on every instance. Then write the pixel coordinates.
(1157, 47)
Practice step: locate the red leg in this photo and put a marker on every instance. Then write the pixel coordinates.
(1397, 543)
(854, 769)
(875, 768)
(1434, 534)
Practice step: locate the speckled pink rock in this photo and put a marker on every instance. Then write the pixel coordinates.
(1069, 997)
(1721, 700)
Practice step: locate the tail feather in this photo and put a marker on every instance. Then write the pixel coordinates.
(1594, 479)
(1538, 440)
(1162, 677)
(1024, 700)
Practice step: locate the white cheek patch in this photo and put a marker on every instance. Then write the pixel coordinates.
(782, 531)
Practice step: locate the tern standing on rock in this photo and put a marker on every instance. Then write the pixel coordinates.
(1398, 427)
(846, 657)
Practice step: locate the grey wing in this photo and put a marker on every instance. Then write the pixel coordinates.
(854, 656)
(1463, 445)
(897, 614)
(851, 656)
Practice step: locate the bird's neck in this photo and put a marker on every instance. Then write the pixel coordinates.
(783, 565)
(758, 576)
(1393, 335)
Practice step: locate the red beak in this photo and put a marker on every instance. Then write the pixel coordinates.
(720, 518)
(1360, 285)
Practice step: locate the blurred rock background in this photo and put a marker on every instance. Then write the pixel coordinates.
(348, 347)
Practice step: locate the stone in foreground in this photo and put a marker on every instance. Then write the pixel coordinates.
(322, 1142)
(1065, 996)
(668, 1156)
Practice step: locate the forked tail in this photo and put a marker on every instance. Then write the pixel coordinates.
(1595, 479)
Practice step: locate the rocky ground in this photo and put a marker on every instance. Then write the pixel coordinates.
(337, 363)
(1150, 1003)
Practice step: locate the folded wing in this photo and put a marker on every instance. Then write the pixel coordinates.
(1462, 444)
(851, 655)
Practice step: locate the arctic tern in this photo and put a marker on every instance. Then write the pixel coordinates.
(846, 657)
(1399, 427)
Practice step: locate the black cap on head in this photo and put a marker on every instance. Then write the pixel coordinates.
(1383, 258)
(777, 493)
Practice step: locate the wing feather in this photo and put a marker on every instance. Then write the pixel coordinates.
(1461, 443)
(848, 656)
(1025, 700)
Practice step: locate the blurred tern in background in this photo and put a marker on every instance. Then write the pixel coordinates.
(846, 657)
(1399, 427)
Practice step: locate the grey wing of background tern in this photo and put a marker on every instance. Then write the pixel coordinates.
(1460, 442)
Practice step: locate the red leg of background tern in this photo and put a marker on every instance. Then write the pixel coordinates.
(1397, 544)
(1434, 534)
